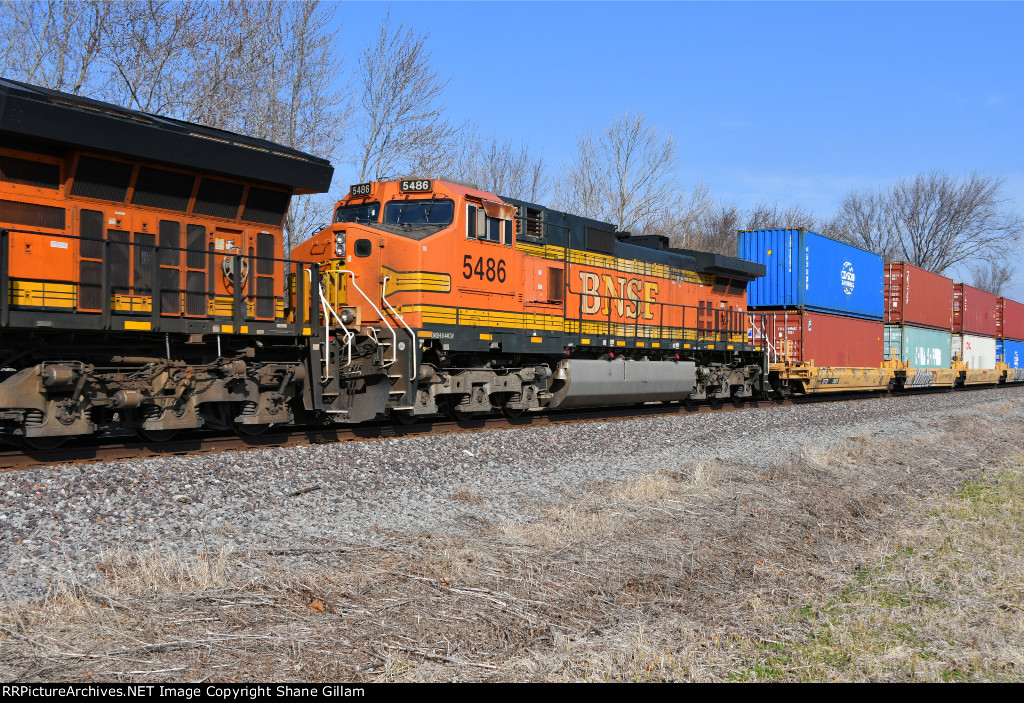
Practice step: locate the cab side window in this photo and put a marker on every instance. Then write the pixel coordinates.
(493, 230)
(493, 227)
(471, 221)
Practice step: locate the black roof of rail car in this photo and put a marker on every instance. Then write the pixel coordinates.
(40, 113)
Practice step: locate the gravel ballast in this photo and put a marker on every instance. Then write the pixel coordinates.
(60, 522)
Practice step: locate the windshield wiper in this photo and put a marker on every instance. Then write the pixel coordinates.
(401, 212)
(426, 213)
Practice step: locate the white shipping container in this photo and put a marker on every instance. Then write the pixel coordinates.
(977, 352)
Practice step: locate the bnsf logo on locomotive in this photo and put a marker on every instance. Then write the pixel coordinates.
(625, 294)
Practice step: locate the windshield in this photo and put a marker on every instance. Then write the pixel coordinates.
(367, 212)
(419, 212)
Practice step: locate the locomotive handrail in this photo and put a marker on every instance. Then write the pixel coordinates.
(383, 318)
(770, 353)
(328, 313)
(349, 335)
(412, 336)
(151, 286)
(5, 291)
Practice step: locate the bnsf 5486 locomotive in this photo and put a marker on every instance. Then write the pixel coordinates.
(486, 303)
(147, 289)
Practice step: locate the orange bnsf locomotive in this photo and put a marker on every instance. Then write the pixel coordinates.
(146, 288)
(141, 264)
(493, 303)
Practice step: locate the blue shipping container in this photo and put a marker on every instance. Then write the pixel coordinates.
(807, 270)
(1010, 353)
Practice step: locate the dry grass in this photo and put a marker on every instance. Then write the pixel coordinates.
(948, 608)
(864, 560)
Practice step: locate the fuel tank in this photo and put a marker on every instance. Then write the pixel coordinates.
(579, 382)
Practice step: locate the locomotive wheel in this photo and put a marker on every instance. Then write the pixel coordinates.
(42, 444)
(512, 413)
(155, 435)
(454, 413)
(447, 407)
(243, 430)
(459, 415)
(404, 417)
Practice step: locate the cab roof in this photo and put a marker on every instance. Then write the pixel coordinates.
(33, 112)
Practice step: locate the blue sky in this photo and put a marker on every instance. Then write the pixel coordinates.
(795, 102)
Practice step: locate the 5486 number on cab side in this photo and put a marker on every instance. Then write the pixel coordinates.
(489, 269)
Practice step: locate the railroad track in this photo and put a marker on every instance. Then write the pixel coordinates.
(205, 442)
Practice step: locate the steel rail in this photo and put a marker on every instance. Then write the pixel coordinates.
(200, 442)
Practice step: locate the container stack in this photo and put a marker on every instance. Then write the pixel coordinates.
(821, 299)
(1010, 333)
(974, 326)
(918, 316)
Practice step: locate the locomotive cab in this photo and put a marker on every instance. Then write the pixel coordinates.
(393, 258)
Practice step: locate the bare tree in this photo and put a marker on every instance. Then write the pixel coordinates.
(55, 43)
(715, 230)
(151, 47)
(716, 227)
(934, 220)
(766, 215)
(626, 175)
(682, 222)
(992, 276)
(500, 167)
(402, 123)
(862, 222)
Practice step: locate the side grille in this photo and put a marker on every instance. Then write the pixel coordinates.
(31, 215)
(102, 179)
(29, 173)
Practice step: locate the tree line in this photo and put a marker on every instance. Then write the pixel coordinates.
(277, 70)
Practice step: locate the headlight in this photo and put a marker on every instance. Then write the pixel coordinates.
(339, 244)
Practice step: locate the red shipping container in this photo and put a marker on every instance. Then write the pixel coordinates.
(915, 296)
(974, 311)
(1010, 319)
(827, 340)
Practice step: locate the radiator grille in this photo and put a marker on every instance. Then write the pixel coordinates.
(218, 198)
(31, 215)
(265, 206)
(196, 235)
(265, 297)
(143, 250)
(163, 189)
(29, 173)
(101, 179)
(195, 293)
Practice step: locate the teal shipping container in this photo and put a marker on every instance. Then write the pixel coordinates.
(922, 348)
